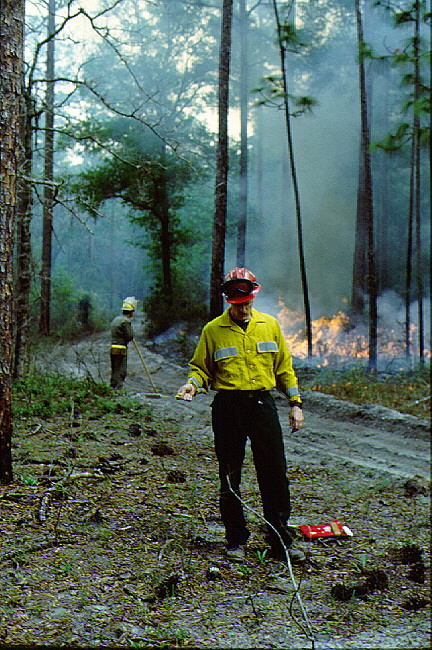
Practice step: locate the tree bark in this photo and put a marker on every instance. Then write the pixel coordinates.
(219, 222)
(48, 201)
(368, 201)
(261, 233)
(23, 245)
(417, 179)
(11, 57)
(243, 182)
(163, 214)
(360, 246)
(409, 255)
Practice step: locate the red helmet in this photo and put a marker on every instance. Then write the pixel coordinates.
(240, 285)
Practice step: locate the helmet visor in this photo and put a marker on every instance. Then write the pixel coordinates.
(236, 287)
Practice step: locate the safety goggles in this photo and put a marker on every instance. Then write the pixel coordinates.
(235, 287)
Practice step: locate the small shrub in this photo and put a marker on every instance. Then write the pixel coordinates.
(44, 396)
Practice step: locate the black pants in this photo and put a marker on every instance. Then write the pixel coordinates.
(236, 416)
(118, 370)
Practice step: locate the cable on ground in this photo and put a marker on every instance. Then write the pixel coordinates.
(309, 632)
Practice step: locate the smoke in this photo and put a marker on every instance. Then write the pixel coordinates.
(391, 316)
(326, 151)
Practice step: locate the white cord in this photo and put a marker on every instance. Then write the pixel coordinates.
(293, 580)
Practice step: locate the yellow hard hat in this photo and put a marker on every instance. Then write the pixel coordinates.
(129, 304)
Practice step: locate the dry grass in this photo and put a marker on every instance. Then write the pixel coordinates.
(407, 392)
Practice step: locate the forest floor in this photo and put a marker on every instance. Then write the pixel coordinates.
(111, 535)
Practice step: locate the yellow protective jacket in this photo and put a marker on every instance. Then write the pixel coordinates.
(228, 358)
(121, 334)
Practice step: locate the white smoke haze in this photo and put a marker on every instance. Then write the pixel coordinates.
(326, 149)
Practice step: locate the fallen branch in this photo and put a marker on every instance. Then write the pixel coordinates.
(80, 475)
(418, 401)
(161, 552)
(35, 430)
(42, 511)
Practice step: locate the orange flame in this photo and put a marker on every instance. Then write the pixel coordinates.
(333, 337)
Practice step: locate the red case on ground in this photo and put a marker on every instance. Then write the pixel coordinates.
(334, 529)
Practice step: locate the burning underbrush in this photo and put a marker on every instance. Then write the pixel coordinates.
(337, 340)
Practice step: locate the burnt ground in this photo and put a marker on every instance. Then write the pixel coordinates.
(111, 535)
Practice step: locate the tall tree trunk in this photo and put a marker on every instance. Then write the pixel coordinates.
(409, 253)
(23, 246)
(383, 238)
(430, 154)
(48, 201)
(165, 232)
(414, 216)
(295, 185)
(359, 260)
(384, 218)
(11, 57)
(259, 156)
(368, 200)
(219, 223)
(111, 254)
(417, 179)
(243, 194)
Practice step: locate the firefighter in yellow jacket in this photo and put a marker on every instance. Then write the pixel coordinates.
(242, 355)
(121, 334)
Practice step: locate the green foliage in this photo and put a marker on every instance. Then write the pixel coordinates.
(45, 396)
(64, 302)
(272, 94)
(151, 181)
(288, 36)
(262, 556)
(65, 297)
(414, 53)
(187, 304)
(27, 479)
(392, 141)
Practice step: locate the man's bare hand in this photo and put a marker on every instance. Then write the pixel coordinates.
(296, 418)
(186, 392)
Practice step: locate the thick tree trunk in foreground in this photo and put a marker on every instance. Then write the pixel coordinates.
(11, 45)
